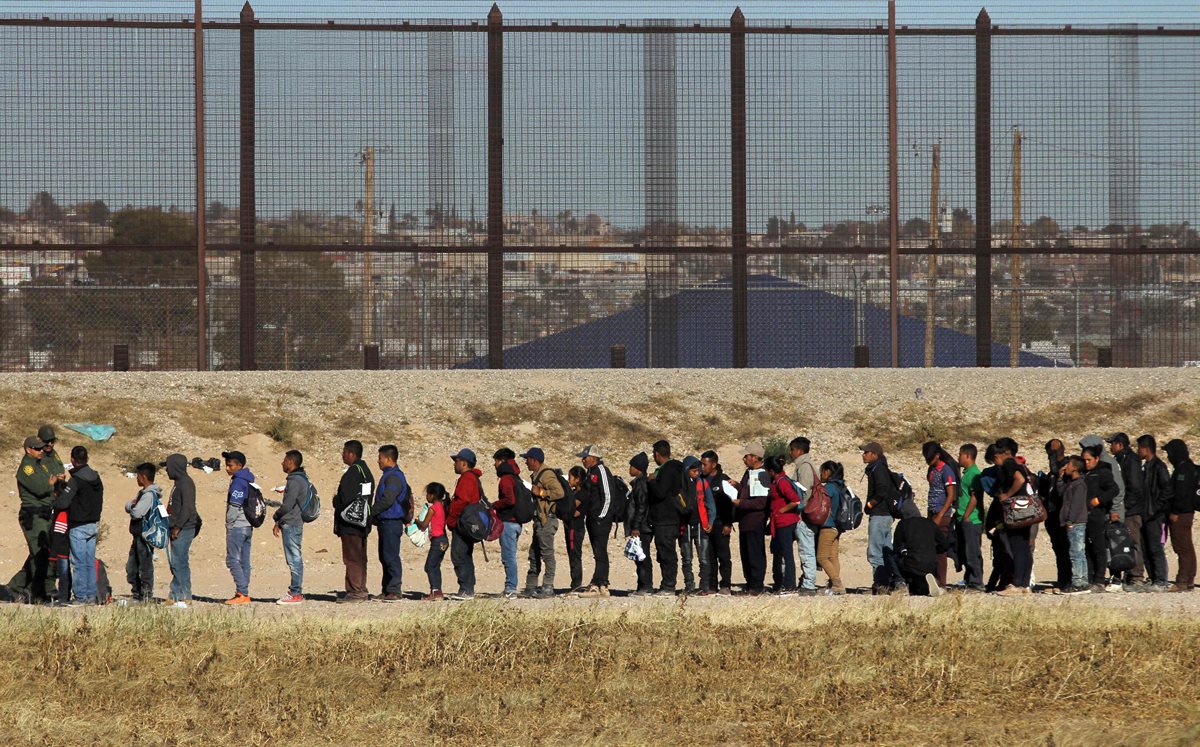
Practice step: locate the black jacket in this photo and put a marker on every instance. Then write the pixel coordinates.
(182, 504)
(1100, 484)
(724, 503)
(664, 489)
(637, 510)
(1131, 473)
(1157, 488)
(881, 491)
(82, 498)
(917, 543)
(597, 492)
(1186, 480)
(350, 488)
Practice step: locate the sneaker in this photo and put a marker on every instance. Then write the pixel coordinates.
(832, 592)
(462, 597)
(665, 593)
(1082, 589)
(1099, 588)
(934, 589)
(1137, 587)
(1159, 586)
(1114, 585)
(238, 598)
(1012, 591)
(543, 592)
(806, 592)
(529, 592)
(595, 592)
(353, 600)
(725, 591)
(177, 605)
(390, 597)
(290, 599)
(510, 595)
(706, 593)
(786, 593)
(1179, 588)
(433, 596)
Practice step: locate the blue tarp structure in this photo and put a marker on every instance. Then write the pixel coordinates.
(791, 326)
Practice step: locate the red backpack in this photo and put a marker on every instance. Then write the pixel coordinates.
(816, 508)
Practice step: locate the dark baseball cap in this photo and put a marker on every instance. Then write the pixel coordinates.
(466, 455)
(535, 453)
(33, 442)
(1118, 438)
(233, 456)
(871, 447)
(46, 433)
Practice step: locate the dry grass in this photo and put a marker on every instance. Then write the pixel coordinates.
(885, 672)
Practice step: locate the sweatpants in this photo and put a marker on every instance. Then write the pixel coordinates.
(752, 544)
(665, 537)
(1184, 549)
(598, 530)
(573, 539)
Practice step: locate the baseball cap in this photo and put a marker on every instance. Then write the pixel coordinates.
(1118, 438)
(233, 456)
(466, 455)
(46, 433)
(590, 451)
(871, 447)
(1092, 440)
(33, 442)
(755, 448)
(535, 453)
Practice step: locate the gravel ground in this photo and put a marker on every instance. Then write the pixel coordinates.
(431, 414)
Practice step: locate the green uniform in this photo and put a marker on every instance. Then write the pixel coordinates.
(38, 576)
(53, 464)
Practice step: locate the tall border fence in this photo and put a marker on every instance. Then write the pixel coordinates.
(250, 194)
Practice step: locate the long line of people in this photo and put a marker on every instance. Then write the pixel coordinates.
(1107, 516)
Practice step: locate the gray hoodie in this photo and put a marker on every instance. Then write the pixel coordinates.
(1118, 506)
(294, 495)
(183, 495)
(140, 505)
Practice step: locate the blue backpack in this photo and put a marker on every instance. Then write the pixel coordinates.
(155, 527)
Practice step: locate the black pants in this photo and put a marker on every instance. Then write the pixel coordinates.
(1002, 565)
(573, 536)
(1097, 546)
(645, 568)
(752, 544)
(970, 551)
(462, 552)
(391, 532)
(918, 583)
(598, 530)
(139, 570)
(719, 564)
(1152, 547)
(1022, 556)
(665, 538)
(1061, 545)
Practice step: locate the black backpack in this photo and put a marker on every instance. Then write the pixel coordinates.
(475, 521)
(904, 493)
(254, 507)
(525, 508)
(1121, 550)
(564, 508)
(685, 502)
(619, 497)
(850, 511)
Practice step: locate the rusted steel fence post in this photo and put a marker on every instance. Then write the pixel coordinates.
(893, 191)
(737, 130)
(495, 186)
(983, 189)
(201, 259)
(247, 205)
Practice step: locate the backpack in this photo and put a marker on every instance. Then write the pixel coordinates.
(564, 508)
(686, 504)
(310, 509)
(816, 509)
(1121, 550)
(904, 493)
(103, 587)
(477, 520)
(156, 527)
(254, 507)
(526, 508)
(850, 511)
(619, 497)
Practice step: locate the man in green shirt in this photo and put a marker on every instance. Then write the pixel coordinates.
(969, 508)
(38, 577)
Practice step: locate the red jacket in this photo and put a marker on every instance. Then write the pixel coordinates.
(506, 502)
(782, 493)
(466, 492)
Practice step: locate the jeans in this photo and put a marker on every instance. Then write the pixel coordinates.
(391, 532)
(1077, 535)
(508, 554)
(541, 553)
(783, 558)
(237, 556)
(433, 561)
(63, 566)
(970, 544)
(139, 570)
(598, 530)
(83, 561)
(292, 538)
(879, 551)
(178, 558)
(806, 538)
(704, 550)
(665, 538)
(462, 551)
(687, 553)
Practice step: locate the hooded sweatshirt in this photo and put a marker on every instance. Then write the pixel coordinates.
(83, 497)
(140, 505)
(295, 493)
(239, 490)
(1074, 501)
(506, 501)
(182, 506)
(466, 492)
(1184, 477)
(1118, 503)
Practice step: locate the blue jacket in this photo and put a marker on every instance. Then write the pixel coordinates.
(390, 496)
(239, 488)
(836, 490)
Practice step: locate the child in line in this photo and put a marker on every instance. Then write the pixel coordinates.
(139, 568)
(1074, 516)
(433, 518)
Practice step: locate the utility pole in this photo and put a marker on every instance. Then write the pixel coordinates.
(935, 180)
(1014, 343)
(368, 239)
